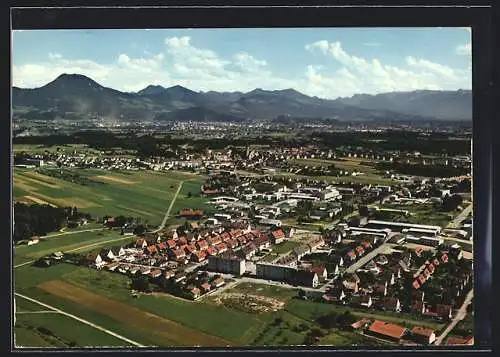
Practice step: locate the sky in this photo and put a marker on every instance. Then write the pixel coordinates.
(323, 62)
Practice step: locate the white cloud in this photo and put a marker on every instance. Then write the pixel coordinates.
(361, 75)
(182, 61)
(464, 49)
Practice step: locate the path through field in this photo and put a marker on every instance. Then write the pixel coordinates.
(167, 214)
(134, 343)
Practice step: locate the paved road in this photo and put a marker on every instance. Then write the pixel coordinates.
(366, 258)
(462, 312)
(134, 343)
(167, 214)
(461, 216)
(74, 232)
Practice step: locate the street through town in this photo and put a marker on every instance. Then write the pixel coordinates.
(461, 313)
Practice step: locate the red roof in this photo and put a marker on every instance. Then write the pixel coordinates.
(460, 341)
(171, 243)
(359, 324)
(318, 269)
(221, 247)
(278, 234)
(444, 258)
(211, 251)
(179, 253)
(152, 249)
(139, 242)
(161, 246)
(422, 331)
(436, 262)
(421, 279)
(183, 241)
(387, 329)
(202, 244)
(351, 253)
(416, 284)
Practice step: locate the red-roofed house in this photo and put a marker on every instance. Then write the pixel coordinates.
(278, 236)
(211, 250)
(162, 246)
(321, 271)
(423, 335)
(232, 243)
(171, 243)
(141, 243)
(199, 256)
(151, 250)
(454, 341)
(351, 255)
(190, 249)
(387, 330)
(202, 244)
(416, 284)
(221, 248)
(444, 258)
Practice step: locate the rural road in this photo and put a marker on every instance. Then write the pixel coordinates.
(461, 216)
(366, 258)
(74, 232)
(134, 343)
(462, 312)
(80, 248)
(167, 214)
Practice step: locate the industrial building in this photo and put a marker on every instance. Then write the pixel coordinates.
(275, 271)
(227, 263)
(399, 226)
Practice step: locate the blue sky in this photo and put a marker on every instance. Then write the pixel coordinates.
(327, 62)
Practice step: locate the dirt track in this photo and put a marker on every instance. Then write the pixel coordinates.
(133, 317)
(115, 179)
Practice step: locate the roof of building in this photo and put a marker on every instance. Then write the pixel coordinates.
(422, 331)
(387, 329)
(460, 341)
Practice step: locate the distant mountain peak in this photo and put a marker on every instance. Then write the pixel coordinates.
(74, 80)
(151, 89)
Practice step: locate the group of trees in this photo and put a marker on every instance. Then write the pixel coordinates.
(422, 170)
(336, 320)
(38, 220)
(451, 203)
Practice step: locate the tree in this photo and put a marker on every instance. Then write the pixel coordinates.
(141, 284)
(363, 211)
(189, 194)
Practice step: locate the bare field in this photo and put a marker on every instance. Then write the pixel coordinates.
(38, 200)
(115, 179)
(133, 317)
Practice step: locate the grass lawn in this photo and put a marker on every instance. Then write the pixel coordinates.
(53, 329)
(227, 323)
(285, 247)
(66, 243)
(283, 294)
(144, 194)
(100, 319)
(310, 310)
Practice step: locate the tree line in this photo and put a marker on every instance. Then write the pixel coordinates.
(38, 220)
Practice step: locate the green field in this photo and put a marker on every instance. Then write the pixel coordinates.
(57, 330)
(310, 311)
(144, 194)
(78, 242)
(285, 247)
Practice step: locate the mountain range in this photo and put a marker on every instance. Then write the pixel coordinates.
(75, 96)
